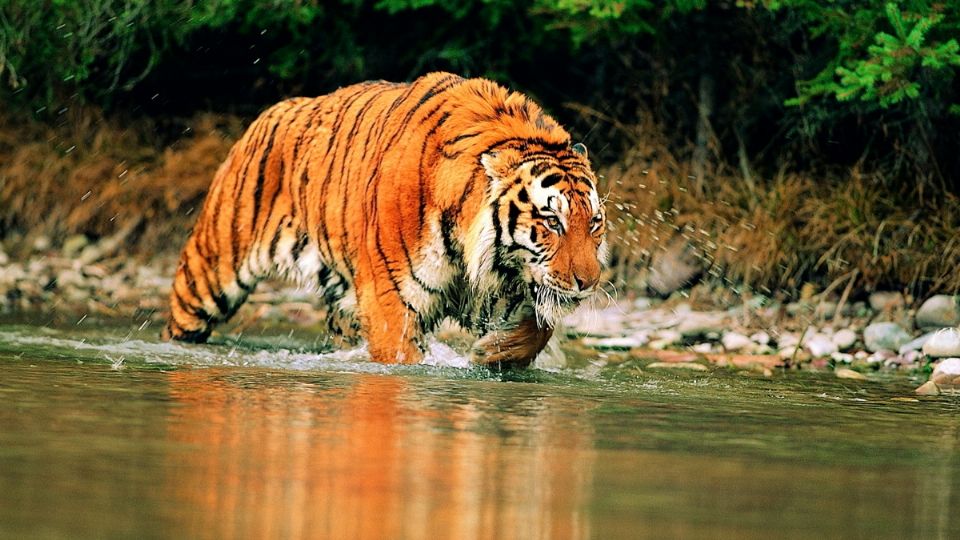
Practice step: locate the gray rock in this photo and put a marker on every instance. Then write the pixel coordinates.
(939, 311)
(884, 335)
(844, 338)
(886, 300)
(735, 341)
(943, 343)
(4, 259)
(673, 268)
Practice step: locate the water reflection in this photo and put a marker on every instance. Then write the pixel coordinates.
(375, 456)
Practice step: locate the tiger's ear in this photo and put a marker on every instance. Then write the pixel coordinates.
(579, 148)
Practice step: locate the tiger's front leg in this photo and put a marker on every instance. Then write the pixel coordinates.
(517, 346)
(391, 328)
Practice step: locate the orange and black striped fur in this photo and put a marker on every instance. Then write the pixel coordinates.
(403, 204)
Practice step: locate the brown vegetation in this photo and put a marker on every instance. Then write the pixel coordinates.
(93, 175)
(834, 230)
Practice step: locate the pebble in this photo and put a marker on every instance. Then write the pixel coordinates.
(910, 357)
(938, 311)
(702, 348)
(819, 345)
(615, 343)
(760, 338)
(847, 373)
(74, 244)
(735, 341)
(787, 340)
(915, 344)
(665, 338)
(884, 335)
(928, 388)
(947, 366)
(946, 374)
(41, 243)
(842, 358)
(844, 338)
(693, 366)
(886, 300)
(880, 356)
(943, 343)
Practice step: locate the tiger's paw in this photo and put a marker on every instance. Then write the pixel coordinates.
(515, 347)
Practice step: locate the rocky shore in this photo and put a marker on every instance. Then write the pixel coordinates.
(884, 332)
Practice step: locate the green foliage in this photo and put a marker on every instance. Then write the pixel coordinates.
(792, 75)
(890, 70)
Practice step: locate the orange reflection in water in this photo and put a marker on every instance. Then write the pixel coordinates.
(371, 457)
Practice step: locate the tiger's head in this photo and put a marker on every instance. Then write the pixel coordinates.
(548, 223)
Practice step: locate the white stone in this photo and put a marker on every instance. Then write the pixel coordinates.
(819, 346)
(844, 338)
(788, 340)
(842, 358)
(947, 366)
(670, 336)
(735, 341)
(624, 342)
(702, 348)
(760, 338)
(788, 352)
(943, 343)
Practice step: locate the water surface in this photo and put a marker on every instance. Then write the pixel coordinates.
(106, 432)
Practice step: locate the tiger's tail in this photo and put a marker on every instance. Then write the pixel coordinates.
(203, 295)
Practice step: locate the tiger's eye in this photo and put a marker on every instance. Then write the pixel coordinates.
(553, 223)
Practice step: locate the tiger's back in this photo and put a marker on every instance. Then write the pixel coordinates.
(374, 194)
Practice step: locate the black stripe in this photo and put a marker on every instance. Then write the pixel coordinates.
(513, 214)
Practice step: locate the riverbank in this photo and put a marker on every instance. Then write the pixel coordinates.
(691, 330)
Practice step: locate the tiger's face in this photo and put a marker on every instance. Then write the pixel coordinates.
(551, 225)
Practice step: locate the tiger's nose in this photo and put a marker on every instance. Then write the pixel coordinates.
(585, 282)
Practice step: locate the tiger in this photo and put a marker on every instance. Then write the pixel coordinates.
(403, 205)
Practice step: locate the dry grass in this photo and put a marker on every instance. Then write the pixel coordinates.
(93, 175)
(780, 233)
